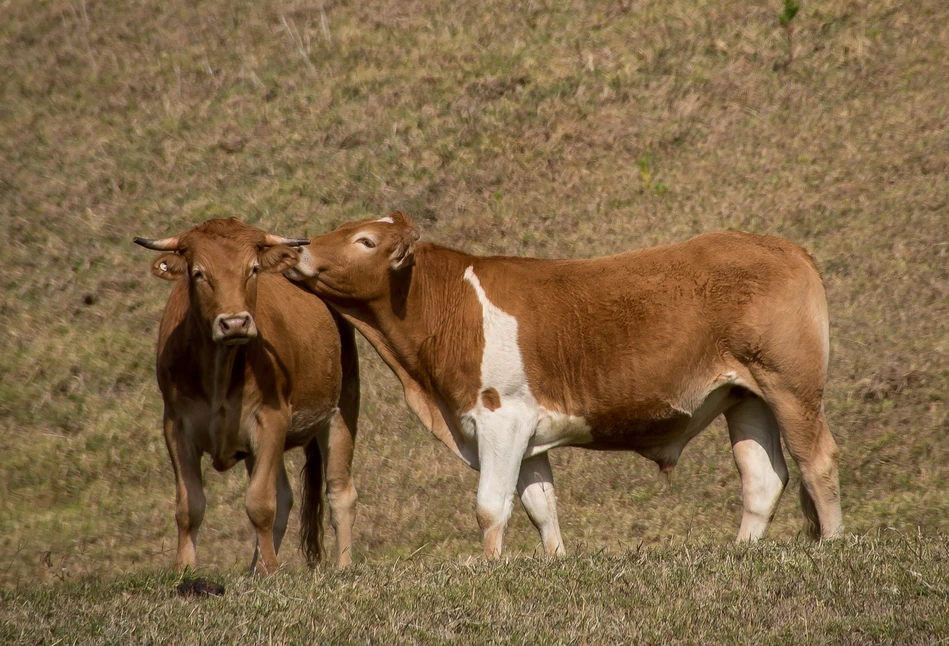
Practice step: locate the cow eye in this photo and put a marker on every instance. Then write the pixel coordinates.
(369, 244)
(197, 274)
(255, 270)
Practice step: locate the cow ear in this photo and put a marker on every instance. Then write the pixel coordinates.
(278, 258)
(403, 256)
(170, 266)
(402, 220)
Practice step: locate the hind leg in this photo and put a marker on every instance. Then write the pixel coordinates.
(284, 506)
(535, 485)
(756, 444)
(808, 438)
(336, 447)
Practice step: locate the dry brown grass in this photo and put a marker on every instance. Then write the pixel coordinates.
(552, 129)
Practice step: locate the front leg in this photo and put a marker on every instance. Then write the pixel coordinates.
(503, 435)
(189, 490)
(261, 498)
(535, 485)
(284, 506)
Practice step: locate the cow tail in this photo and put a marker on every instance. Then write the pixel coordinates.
(311, 509)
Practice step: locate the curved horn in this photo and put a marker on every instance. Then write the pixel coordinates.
(165, 244)
(271, 240)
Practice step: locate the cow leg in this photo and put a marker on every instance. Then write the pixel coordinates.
(810, 443)
(503, 436)
(284, 506)
(756, 444)
(261, 498)
(189, 491)
(249, 465)
(535, 485)
(336, 447)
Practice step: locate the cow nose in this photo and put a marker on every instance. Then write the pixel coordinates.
(234, 329)
(234, 324)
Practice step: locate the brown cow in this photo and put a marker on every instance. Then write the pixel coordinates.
(249, 366)
(506, 358)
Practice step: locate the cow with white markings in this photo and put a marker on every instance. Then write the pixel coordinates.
(505, 358)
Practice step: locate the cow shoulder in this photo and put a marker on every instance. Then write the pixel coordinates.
(299, 345)
(449, 333)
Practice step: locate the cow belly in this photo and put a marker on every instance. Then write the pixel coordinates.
(660, 438)
(305, 424)
(557, 429)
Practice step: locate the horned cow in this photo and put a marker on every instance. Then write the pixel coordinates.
(249, 366)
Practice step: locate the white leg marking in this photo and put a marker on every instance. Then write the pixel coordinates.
(502, 439)
(503, 423)
(756, 443)
(535, 484)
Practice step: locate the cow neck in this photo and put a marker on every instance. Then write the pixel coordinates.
(219, 378)
(215, 361)
(399, 326)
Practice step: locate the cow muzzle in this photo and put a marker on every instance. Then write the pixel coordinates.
(234, 329)
(305, 267)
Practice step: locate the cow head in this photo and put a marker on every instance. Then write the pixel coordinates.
(357, 261)
(221, 260)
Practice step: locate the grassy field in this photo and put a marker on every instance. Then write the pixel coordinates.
(867, 591)
(552, 129)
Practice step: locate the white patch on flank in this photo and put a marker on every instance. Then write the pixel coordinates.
(502, 368)
(517, 429)
(386, 219)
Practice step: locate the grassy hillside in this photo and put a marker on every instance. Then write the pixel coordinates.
(543, 128)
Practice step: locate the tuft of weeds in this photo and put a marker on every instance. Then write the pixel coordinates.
(789, 10)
